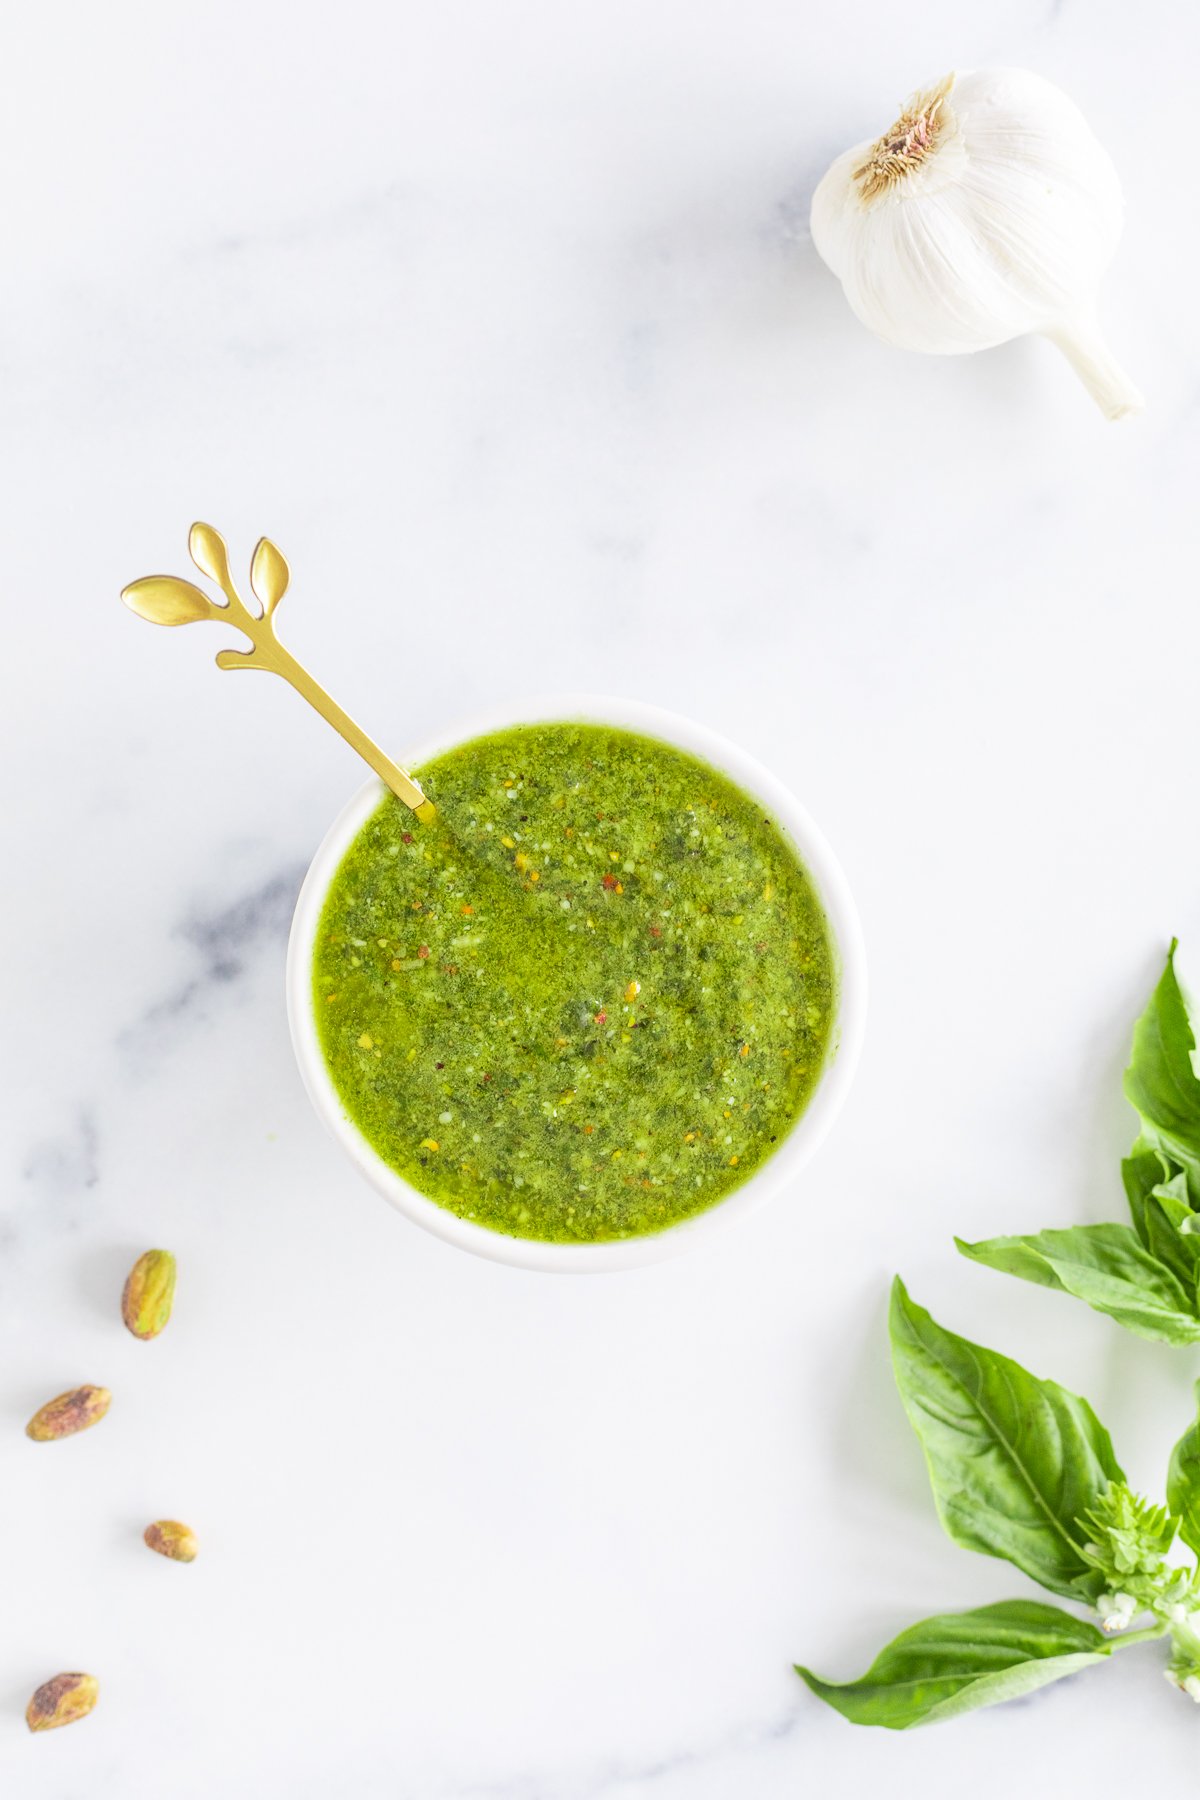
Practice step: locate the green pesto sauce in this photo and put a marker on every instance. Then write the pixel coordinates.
(589, 1000)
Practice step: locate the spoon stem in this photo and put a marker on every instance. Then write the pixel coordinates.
(271, 654)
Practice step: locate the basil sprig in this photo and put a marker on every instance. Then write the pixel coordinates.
(1023, 1469)
(1145, 1275)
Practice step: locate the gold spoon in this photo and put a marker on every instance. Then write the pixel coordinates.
(166, 600)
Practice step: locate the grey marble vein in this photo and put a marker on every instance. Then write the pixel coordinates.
(228, 940)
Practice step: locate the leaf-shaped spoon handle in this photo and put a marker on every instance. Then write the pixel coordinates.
(166, 600)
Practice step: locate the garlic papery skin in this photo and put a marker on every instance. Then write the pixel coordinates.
(989, 210)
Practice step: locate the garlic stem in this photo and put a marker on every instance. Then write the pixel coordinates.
(1082, 343)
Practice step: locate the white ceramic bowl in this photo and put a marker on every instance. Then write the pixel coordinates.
(773, 1175)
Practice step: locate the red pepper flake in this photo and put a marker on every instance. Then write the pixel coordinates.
(487, 1078)
(406, 837)
(601, 1018)
(656, 931)
(424, 950)
(610, 882)
(439, 1065)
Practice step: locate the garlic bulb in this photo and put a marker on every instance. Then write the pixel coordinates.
(987, 211)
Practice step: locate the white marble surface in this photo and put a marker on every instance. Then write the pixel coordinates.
(501, 318)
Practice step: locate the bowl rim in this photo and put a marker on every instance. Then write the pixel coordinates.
(810, 1128)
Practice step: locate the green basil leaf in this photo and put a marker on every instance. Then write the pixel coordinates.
(1014, 1461)
(1142, 1171)
(1176, 1248)
(1106, 1266)
(1177, 1213)
(959, 1661)
(1162, 1214)
(1161, 1081)
(1183, 1483)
